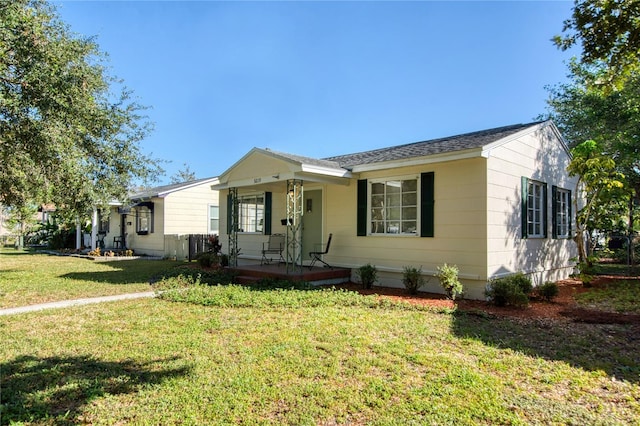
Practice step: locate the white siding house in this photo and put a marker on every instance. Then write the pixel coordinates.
(493, 202)
(157, 221)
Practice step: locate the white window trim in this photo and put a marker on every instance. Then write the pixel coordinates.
(541, 206)
(217, 231)
(250, 195)
(370, 183)
(563, 212)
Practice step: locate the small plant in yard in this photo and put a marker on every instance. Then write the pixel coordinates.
(412, 279)
(95, 252)
(448, 276)
(547, 291)
(368, 275)
(512, 290)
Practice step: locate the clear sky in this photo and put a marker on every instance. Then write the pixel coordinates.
(323, 78)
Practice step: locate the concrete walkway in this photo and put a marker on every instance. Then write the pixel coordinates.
(76, 302)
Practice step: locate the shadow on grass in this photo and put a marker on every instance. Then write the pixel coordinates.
(125, 272)
(56, 389)
(612, 349)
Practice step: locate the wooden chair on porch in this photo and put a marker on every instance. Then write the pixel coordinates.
(275, 245)
(315, 255)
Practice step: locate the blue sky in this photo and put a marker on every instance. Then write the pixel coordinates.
(323, 78)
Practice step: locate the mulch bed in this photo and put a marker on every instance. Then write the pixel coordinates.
(562, 308)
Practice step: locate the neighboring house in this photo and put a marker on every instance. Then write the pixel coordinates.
(493, 202)
(157, 220)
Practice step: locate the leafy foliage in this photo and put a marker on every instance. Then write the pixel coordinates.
(547, 291)
(368, 275)
(183, 175)
(512, 290)
(608, 31)
(448, 276)
(70, 132)
(412, 279)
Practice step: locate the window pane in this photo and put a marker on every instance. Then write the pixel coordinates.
(377, 200)
(409, 213)
(409, 185)
(377, 227)
(393, 200)
(409, 227)
(393, 187)
(393, 213)
(377, 188)
(393, 227)
(410, 199)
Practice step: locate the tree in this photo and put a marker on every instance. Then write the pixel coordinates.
(183, 175)
(611, 118)
(599, 185)
(69, 132)
(608, 32)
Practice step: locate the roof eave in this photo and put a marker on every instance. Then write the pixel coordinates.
(418, 161)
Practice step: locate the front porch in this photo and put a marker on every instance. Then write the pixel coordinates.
(247, 274)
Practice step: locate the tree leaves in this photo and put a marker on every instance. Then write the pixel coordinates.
(69, 132)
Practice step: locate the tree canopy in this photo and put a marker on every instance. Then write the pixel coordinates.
(608, 31)
(70, 133)
(183, 175)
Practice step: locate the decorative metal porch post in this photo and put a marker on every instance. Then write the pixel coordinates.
(232, 226)
(294, 225)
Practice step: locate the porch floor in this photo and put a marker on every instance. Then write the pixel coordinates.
(316, 276)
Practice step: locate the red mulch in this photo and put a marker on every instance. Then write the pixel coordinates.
(563, 307)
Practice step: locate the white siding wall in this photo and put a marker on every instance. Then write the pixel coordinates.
(187, 211)
(538, 156)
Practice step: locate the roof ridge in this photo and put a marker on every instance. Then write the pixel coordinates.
(440, 139)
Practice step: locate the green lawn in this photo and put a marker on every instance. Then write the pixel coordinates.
(617, 296)
(233, 355)
(28, 278)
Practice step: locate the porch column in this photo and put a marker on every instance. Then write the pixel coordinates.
(294, 225)
(94, 229)
(78, 234)
(232, 226)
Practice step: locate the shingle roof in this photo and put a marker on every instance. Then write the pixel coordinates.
(430, 147)
(306, 160)
(156, 191)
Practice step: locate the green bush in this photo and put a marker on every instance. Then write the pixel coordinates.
(412, 279)
(448, 276)
(513, 290)
(368, 275)
(548, 291)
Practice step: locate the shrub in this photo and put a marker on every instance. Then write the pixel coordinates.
(548, 291)
(368, 275)
(95, 252)
(512, 290)
(448, 276)
(208, 259)
(412, 279)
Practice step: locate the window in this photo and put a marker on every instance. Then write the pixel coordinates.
(561, 212)
(534, 208)
(394, 207)
(144, 218)
(251, 213)
(214, 219)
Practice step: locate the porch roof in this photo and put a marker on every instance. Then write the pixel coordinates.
(285, 166)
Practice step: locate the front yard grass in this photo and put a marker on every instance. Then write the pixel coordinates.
(27, 278)
(233, 355)
(614, 296)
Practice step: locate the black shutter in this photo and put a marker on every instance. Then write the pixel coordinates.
(554, 212)
(267, 213)
(544, 209)
(524, 190)
(569, 233)
(427, 201)
(362, 208)
(229, 213)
